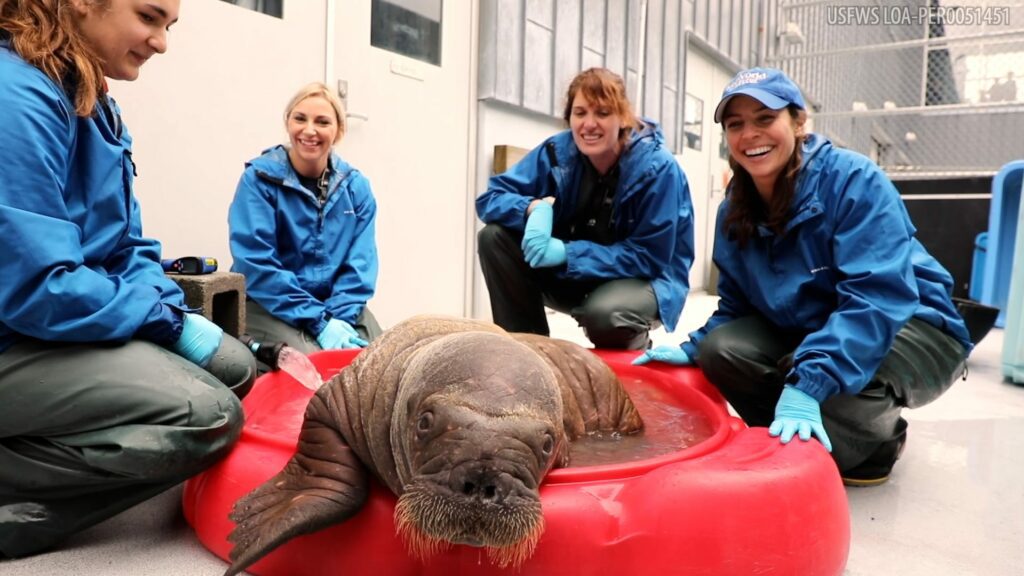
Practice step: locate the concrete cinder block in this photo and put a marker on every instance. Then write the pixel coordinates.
(220, 296)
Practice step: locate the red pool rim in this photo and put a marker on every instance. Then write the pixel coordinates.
(332, 362)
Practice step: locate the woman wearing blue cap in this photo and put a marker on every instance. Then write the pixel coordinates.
(832, 316)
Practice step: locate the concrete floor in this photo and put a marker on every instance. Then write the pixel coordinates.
(954, 505)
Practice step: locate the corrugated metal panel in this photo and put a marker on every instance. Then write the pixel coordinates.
(617, 26)
(537, 87)
(531, 49)
(568, 45)
(595, 15)
(508, 63)
(655, 44)
(671, 83)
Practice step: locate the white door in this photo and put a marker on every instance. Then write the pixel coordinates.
(214, 101)
(705, 158)
(409, 132)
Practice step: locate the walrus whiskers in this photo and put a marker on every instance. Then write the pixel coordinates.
(429, 522)
(420, 545)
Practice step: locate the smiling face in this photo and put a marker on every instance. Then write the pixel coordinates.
(760, 139)
(125, 33)
(313, 129)
(596, 129)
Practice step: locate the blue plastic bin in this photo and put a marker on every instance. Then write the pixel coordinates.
(978, 267)
(1002, 236)
(1013, 339)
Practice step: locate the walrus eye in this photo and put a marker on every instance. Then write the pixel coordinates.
(549, 444)
(425, 422)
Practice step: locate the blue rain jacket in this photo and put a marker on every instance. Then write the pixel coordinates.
(74, 266)
(303, 262)
(652, 213)
(847, 272)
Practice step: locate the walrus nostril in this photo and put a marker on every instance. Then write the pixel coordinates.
(484, 492)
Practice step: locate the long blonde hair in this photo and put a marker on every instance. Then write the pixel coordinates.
(45, 33)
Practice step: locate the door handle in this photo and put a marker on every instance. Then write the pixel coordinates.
(343, 95)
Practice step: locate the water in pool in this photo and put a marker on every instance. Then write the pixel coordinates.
(667, 428)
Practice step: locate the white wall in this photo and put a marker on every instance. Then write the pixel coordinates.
(706, 171)
(212, 102)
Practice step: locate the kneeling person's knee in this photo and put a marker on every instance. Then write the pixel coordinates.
(234, 365)
(611, 328)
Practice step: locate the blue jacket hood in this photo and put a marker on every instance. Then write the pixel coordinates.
(652, 212)
(273, 163)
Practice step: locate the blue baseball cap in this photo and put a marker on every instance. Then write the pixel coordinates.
(768, 86)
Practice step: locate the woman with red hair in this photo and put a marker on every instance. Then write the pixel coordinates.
(595, 222)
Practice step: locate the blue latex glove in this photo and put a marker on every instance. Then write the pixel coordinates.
(538, 230)
(667, 354)
(338, 335)
(553, 255)
(798, 413)
(199, 340)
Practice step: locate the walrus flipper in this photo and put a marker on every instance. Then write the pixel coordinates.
(323, 484)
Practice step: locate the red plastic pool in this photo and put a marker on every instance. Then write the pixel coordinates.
(737, 503)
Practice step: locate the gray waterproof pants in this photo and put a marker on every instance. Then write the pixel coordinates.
(748, 359)
(90, 430)
(264, 327)
(614, 314)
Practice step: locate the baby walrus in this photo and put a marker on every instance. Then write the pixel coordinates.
(460, 419)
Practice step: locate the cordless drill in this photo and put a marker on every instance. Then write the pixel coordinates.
(190, 265)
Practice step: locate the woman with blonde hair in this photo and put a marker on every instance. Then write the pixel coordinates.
(595, 222)
(302, 231)
(110, 390)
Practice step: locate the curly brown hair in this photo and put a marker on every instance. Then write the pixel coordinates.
(45, 34)
(746, 207)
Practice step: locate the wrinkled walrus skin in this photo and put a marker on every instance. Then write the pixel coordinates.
(459, 419)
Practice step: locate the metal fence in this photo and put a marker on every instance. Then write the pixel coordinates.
(925, 88)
